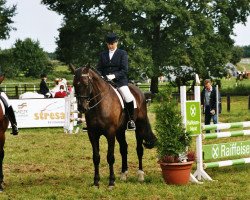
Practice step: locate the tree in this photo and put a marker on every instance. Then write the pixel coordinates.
(246, 53)
(237, 54)
(6, 13)
(30, 58)
(163, 33)
(7, 63)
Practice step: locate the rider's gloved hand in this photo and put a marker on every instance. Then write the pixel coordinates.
(110, 77)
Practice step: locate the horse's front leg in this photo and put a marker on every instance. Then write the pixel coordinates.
(139, 150)
(111, 159)
(2, 140)
(94, 139)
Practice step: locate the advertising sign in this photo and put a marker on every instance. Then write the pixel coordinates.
(193, 117)
(32, 113)
(222, 150)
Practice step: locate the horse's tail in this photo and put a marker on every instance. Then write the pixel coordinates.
(149, 138)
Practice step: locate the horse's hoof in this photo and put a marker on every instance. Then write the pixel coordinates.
(124, 176)
(1, 188)
(140, 175)
(111, 187)
(95, 186)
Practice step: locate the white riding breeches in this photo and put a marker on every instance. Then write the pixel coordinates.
(126, 94)
(6, 98)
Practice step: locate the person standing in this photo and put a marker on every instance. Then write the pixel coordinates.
(10, 114)
(113, 64)
(209, 102)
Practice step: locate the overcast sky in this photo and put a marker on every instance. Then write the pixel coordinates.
(35, 21)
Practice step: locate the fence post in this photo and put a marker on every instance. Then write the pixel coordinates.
(16, 89)
(25, 88)
(248, 102)
(228, 103)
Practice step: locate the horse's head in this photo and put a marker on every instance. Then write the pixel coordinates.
(83, 88)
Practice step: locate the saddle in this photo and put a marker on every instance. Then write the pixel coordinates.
(122, 101)
(114, 87)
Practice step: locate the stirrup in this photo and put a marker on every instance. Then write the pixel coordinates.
(131, 125)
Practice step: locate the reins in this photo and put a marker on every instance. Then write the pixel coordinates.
(99, 100)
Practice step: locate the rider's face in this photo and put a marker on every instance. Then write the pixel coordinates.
(112, 46)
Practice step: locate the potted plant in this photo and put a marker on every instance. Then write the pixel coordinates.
(173, 141)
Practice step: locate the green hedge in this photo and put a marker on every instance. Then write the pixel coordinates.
(239, 90)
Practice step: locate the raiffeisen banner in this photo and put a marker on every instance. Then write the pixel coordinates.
(32, 113)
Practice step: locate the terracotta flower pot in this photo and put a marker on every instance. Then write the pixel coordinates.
(176, 173)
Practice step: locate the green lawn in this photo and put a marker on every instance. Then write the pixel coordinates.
(46, 163)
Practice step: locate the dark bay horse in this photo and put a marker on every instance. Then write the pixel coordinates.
(105, 116)
(3, 127)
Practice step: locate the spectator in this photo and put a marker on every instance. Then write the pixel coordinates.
(61, 93)
(209, 101)
(56, 88)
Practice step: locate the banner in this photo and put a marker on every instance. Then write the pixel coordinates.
(193, 117)
(32, 113)
(222, 150)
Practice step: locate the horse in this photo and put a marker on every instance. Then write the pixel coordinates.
(4, 122)
(105, 116)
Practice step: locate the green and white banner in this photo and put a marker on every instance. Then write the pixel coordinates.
(222, 150)
(193, 117)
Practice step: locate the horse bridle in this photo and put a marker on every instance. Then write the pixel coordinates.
(88, 97)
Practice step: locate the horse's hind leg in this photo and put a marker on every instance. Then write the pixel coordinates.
(2, 139)
(124, 152)
(96, 156)
(139, 150)
(111, 159)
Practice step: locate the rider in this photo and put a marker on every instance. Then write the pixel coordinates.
(8, 108)
(113, 64)
(44, 89)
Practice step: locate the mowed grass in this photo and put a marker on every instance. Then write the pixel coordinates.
(46, 163)
(49, 164)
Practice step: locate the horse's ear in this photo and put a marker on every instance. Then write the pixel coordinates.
(72, 68)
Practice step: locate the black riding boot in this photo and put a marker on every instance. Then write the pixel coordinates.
(131, 123)
(12, 118)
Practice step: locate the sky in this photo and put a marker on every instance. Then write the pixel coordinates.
(33, 20)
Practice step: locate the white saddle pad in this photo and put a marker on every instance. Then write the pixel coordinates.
(120, 98)
(3, 108)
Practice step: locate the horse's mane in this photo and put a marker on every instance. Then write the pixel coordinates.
(103, 78)
(96, 71)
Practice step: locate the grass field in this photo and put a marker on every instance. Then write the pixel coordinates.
(46, 163)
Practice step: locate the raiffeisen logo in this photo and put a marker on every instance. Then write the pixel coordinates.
(231, 149)
(49, 112)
